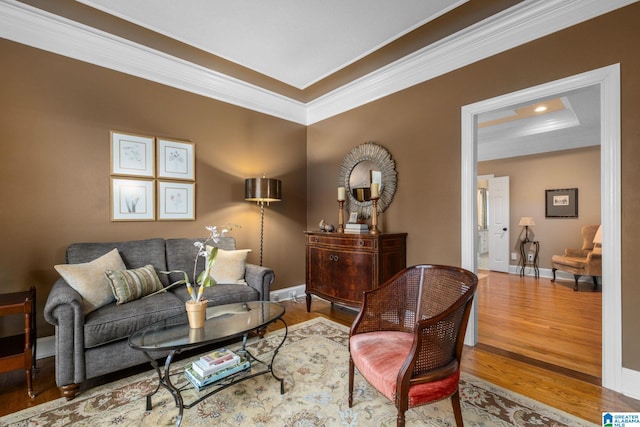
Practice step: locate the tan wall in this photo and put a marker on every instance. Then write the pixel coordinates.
(421, 128)
(54, 178)
(530, 176)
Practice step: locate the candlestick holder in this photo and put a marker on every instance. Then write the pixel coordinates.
(374, 216)
(340, 216)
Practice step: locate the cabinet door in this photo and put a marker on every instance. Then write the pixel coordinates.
(340, 275)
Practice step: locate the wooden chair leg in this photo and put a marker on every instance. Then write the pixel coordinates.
(457, 409)
(350, 382)
(553, 271)
(576, 277)
(595, 283)
(400, 418)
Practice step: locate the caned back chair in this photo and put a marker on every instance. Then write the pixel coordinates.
(408, 338)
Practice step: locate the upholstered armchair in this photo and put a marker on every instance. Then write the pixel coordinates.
(586, 261)
(408, 338)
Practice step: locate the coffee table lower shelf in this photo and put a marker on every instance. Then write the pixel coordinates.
(164, 377)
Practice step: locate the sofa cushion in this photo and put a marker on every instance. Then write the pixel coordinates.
(134, 253)
(88, 279)
(181, 255)
(229, 266)
(115, 322)
(130, 285)
(222, 294)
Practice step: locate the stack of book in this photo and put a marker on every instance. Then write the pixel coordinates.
(356, 228)
(214, 367)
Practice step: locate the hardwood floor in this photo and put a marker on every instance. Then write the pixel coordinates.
(514, 314)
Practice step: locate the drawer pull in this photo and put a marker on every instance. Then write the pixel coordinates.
(360, 243)
(334, 258)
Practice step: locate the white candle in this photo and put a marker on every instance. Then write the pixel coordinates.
(341, 194)
(375, 190)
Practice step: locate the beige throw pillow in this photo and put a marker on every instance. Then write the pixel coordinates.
(229, 266)
(89, 281)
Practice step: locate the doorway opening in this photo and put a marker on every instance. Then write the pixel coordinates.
(608, 81)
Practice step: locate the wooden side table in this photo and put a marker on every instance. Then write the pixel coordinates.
(19, 351)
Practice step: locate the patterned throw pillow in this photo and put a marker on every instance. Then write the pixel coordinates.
(130, 285)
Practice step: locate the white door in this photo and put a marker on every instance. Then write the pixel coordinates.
(499, 224)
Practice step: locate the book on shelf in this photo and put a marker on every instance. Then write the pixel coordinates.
(210, 365)
(355, 226)
(352, 231)
(199, 382)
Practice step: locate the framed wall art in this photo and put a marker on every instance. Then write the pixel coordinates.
(561, 203)
(132, 199)
(176, 200)
(132, 155)
(176, 159)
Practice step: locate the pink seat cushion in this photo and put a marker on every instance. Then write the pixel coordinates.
(379, 357)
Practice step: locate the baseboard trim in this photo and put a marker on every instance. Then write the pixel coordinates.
(631, 383)
(291, 293)
(46, 347)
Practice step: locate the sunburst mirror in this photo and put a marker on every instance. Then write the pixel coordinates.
(367, 163)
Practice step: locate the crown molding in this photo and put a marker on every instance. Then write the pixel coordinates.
(520, 24)
(513, 27)
(43, 30)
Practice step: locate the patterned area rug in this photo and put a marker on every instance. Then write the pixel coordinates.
(314, 364)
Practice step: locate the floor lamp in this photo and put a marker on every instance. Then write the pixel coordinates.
(263, 191)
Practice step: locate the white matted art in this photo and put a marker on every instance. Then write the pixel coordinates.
(132, 155)
(176, 159)
(132, 200)
(176, 200)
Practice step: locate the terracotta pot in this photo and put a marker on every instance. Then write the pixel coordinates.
(197, 312)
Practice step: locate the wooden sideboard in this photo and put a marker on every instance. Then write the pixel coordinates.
(341, 266)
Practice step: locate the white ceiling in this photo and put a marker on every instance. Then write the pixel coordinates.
(298, 42)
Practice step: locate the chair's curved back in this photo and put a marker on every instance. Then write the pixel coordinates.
(444, 305)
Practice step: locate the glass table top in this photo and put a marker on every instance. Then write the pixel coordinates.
(222, 322)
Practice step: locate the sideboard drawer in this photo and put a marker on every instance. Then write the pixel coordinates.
(335, 240)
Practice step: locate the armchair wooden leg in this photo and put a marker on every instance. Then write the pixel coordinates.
(553, 270)
(69, 391)
(350, 382)
(457, 409)
(595, 283)
(400, 419)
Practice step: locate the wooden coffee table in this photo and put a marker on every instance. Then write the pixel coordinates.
(223, 323)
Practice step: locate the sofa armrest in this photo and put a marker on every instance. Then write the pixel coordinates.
(64, 310)
(62, 295)
(260, 278)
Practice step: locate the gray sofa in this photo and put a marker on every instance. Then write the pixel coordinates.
(95, 344)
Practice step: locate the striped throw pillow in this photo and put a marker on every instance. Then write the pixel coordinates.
(130, 285)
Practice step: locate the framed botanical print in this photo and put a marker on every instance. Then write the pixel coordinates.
(132, 155)
(132, 199)
(176, 159)
(176, 200)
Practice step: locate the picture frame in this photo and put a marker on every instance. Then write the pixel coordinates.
(176, 159)
(132, 155)
(176, 200)
(561, 203)
(132, 199)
